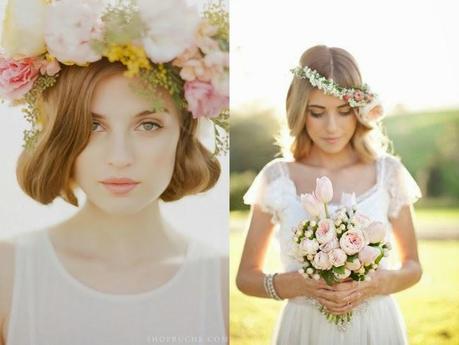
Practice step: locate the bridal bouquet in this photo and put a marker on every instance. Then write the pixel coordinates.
(340, 246)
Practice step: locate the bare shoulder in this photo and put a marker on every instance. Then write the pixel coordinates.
(7, 262)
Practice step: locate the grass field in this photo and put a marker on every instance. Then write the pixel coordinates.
(430, 308)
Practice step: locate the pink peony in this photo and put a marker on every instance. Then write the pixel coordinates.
(170, 28)
(337, 257)
(324, 189)
(17, 77)
(376, 232)
(203, 100)
(328, 246)
(70, 27)
(326, 231)
(321, 261)
(369, 254)
(352, 241)
(313, 206)
(309, 246)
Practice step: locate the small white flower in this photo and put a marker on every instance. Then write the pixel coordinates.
(309, 270)
(316, 276)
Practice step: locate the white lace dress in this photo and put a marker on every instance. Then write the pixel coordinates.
(377, 322)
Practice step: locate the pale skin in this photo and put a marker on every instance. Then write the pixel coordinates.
(329, 117)
(119, 244)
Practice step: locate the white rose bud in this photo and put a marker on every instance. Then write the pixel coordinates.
(342, 227)
(308, 233)
(309, 271)
(361, 270)
(310, 257)
(316, 276)
(339, 231)
(313, 223)
(337, 222)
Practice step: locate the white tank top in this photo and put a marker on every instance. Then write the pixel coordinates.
(51, 307)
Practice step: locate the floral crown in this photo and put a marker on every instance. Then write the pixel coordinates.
(166, 44)
(369, 108)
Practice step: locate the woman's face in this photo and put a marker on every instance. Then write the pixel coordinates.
(130, 157)
(330, 122)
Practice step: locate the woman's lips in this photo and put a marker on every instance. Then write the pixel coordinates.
(119, 186)
(332, 140)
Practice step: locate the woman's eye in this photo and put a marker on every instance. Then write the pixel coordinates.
(316, 114)
(95, 126)
(149, 126)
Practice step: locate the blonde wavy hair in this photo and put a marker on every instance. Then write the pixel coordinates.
(338, 64)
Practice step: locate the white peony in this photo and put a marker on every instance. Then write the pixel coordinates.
(22, 32)
(170, 28)
(70, 28)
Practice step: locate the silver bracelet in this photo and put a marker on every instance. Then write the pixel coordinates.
(269, 286)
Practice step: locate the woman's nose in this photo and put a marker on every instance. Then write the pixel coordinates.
(119, 153)
(331, 122)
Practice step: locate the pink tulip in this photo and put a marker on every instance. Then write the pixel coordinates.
(313, 206)
(324, 189)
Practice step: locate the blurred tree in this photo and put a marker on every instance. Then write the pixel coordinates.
(253, 135)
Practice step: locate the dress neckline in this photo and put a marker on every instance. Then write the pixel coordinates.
(359, 198)
(118, 297)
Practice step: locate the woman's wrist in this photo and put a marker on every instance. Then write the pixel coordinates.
(289, 284)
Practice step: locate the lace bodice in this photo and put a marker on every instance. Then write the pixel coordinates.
(275, 192)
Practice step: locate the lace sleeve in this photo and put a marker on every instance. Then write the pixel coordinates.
(402, 188)
(261, 191)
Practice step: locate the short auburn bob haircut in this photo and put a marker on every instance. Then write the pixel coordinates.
(46, 171)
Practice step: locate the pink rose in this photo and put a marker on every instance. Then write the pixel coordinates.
(17, 77)
(324, 189)
(354, 265)
(313, 206)
(326, 231)
(203, 100)
(328, 246)
(369, 254)
(337, 257)
(309, 246)
(352, 241)
(358, 95)
(376, 232)
(321, 261)
(50, 67)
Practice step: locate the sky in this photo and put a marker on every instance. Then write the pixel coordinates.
(408, 51)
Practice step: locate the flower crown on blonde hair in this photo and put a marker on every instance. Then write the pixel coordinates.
(369, 108)
(167, 44)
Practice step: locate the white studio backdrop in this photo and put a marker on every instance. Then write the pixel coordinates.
(203, 216)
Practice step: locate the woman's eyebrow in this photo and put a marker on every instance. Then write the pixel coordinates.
(100, 116)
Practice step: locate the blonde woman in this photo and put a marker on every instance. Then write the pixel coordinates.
(339, 138)
(125, 133)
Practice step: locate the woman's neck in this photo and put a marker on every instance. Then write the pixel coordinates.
(331, 161)
(122, 238)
